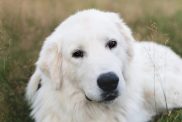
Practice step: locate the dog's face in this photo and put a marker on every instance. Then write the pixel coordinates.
(94, 48)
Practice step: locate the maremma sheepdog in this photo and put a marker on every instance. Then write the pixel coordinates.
(91, 69)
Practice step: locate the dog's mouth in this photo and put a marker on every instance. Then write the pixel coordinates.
(110, 96)
(106, 96)
(88, 98)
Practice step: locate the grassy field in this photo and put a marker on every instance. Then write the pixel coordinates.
(24, 24)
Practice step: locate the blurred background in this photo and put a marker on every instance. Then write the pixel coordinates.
(24, 24)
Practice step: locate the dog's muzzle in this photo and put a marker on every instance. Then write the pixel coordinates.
(106, 96)
(108, 83)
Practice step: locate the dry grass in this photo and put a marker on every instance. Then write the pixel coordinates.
(24, 24)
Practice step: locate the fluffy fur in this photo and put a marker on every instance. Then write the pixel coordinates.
(150, 75)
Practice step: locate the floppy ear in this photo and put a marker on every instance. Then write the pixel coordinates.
(33, 85)
(125, 32)
(49, 62)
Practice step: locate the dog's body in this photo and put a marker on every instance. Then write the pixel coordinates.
(85, 49)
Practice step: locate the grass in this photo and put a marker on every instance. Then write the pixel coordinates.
(25, 24)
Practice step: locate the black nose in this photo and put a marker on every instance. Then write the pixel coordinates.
(108, 81)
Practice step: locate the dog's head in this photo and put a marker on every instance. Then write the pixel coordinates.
(91, 51)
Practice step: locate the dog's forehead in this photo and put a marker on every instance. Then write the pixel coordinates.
(88, 27)
(80, 36)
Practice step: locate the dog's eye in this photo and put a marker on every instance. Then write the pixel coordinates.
(78, 54)
(111, 44)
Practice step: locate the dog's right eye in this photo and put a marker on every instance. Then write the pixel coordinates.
(111, 44)
(78, 54)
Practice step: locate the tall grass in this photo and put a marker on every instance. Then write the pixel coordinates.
(24, 24)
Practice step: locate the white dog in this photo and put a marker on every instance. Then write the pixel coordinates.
(91, 69)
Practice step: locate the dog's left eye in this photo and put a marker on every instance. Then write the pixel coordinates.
(78, 54)
(111, 44)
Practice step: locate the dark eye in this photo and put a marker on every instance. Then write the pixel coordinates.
(78, 54)
(111, 44)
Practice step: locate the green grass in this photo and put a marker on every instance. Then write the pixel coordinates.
(25, 24)
(175, 116)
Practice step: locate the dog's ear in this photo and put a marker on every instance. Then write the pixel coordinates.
(124, 30)
(33, 85)
(50, 61)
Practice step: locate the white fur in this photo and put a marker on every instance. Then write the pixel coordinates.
(148, 73)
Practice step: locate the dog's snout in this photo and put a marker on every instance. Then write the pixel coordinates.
(108, 81)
